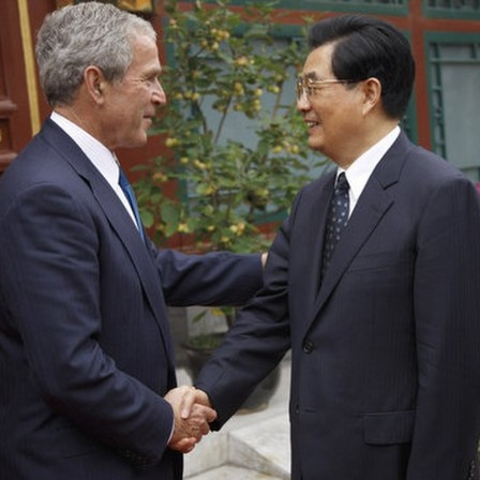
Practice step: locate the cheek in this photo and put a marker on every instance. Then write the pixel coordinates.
(343, 112)
(326, 108)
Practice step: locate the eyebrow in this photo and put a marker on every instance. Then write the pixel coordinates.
(153, 73)
(312, 76)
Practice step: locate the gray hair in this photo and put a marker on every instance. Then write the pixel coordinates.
(77, 36)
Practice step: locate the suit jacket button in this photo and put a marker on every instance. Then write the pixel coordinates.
(308, 347)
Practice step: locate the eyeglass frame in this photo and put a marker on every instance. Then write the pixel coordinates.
(313, 85)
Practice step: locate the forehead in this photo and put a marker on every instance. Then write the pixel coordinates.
(318, 64)
(145, 56)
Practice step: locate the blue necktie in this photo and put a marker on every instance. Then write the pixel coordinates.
(337, 219)
(128, 191)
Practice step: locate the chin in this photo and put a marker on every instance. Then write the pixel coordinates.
(315, 144)
(139, 141)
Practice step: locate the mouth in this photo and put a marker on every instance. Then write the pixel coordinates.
(311, 124)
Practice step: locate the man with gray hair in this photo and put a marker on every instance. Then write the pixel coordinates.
(88, 388)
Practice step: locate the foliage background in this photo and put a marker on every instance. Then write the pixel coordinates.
(223, 66)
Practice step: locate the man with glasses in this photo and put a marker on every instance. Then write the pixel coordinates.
(373, 282)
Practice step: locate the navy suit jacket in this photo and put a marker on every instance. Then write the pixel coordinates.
(386, 348)
(85, 348)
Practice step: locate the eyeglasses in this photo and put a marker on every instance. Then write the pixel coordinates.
(309, 86)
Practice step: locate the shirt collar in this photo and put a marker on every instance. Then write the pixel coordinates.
(360, 170)
(101, 157)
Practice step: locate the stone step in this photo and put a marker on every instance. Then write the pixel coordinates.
(250, 446)
(230, 472)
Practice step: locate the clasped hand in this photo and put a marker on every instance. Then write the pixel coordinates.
(193, 413)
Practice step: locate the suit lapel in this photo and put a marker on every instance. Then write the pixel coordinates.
(119, 220)
(122, 223)
(372, 205)
(368, 212)
(318, 222)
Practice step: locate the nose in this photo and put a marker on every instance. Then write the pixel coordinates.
(303, 103)
(158, 97)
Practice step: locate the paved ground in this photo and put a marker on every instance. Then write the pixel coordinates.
(232, 473)
(251, 446)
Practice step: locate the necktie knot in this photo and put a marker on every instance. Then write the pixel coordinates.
(341, 186)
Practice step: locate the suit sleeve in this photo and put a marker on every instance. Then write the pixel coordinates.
(220, 278)
(256, 343)
(447, 322)
(50, 277)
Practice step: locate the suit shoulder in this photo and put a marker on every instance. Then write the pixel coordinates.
(425, 176)
(431, 166)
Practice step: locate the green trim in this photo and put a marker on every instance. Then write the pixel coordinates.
(290, 32)
(353, 6)
(368, 7)
(453, 13)
(409, 122)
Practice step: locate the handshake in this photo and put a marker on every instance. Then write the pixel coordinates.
(193, 413)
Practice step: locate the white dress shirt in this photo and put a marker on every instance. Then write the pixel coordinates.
(101, 157)
(360, 170)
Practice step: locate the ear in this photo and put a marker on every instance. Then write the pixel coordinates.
(372, 91)
(95, 84)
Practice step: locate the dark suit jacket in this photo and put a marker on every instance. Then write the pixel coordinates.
(386, 351)
(85, 347)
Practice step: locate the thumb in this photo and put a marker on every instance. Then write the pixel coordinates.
(188, 400)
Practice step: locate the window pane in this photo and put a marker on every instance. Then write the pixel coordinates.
(456, 103)
(461, 107)
(455, 5)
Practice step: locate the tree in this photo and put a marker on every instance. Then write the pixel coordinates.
(226, 67)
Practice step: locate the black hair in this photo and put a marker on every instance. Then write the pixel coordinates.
(367, 47)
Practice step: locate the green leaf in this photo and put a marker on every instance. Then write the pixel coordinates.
(147, 218)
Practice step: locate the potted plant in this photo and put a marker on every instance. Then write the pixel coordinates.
(237, 147)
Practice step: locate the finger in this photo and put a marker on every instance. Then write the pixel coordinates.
(207, 413)
(202, 398)
(188, 400)
(211, 415)
(205, 429)
(185, 445)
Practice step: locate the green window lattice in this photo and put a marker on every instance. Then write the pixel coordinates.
(454, 71)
